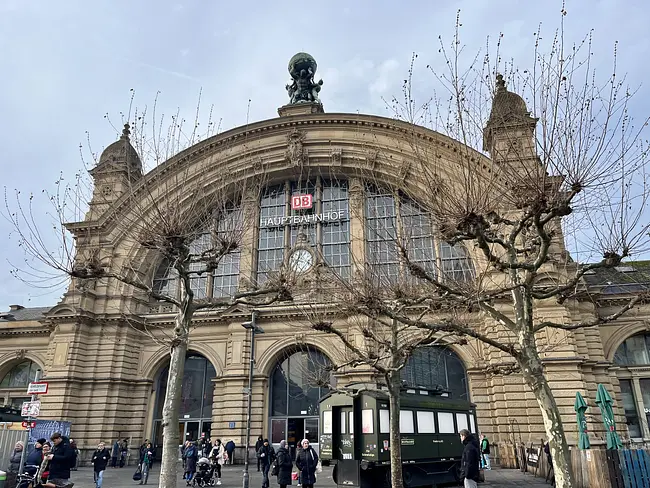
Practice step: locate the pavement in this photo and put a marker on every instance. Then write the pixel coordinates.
(232, 477)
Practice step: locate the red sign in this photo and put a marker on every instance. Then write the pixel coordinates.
(301, 202)
(26, 424)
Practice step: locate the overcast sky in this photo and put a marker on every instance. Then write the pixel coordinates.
(67, 63)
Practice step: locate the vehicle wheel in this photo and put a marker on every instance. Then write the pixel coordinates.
(407, 476)
(335, 473)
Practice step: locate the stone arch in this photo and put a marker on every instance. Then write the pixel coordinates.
(622, 333)
(270, 357)
(158, 361)
(11, 359)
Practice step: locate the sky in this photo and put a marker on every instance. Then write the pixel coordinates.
(68, 63)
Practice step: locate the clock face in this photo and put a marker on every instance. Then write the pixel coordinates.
(301, 260)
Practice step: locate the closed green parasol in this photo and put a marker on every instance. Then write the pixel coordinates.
(604, 402)
(580, 406)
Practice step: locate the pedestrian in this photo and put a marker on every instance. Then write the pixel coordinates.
(14, 465)
(469, 465)
(265, 456)
(285, 465)
(217, 455)
(191, 457)
(115, 453)
(230, 449)
(35, 458)
(73, 445)
(47, 449)
(61, 459)
(124, 450)
(100, 461)
(307, 462)
(146, 460)
(485, 453)
(258, 445)
(184, 456)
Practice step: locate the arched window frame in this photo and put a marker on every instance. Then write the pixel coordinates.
(15, 393)
(427, 375)
(391, 218)
(223, 281)
(633, 358)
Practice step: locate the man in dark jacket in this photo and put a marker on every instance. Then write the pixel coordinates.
(61, 460)
(285, 465)
(469, 466)
(258, 445)
(230, 449)
(100, 461)
(265, 455)
(34, 459)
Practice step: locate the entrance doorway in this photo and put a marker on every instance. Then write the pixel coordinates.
(294, 430)
(197, 393)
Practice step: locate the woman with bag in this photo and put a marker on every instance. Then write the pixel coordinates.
(218, 455)
(308, 464)
(284, 465)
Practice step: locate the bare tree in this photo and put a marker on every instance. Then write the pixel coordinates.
(574, 165)
(184, 219)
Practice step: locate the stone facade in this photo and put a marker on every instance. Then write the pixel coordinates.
(103, 370)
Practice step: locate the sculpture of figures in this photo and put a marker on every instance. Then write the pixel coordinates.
(303, 89)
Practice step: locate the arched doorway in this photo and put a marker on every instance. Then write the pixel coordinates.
(294, 398)
(195, 415)
(437, 367)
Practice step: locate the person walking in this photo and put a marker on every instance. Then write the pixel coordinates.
(35, 458)
(485, 453)
(100, 461)
(115, 453)
(146, 460)
(230, 449)
(258, 445)
(61, 459)
(124, 450)
(469, 465)
(218, 456)
(306, 462)
(285, 465)
(74, 447)
(191, 457)
(265, 455)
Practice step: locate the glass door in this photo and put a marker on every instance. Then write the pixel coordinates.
(191, 431)
(278, 431)
(311, 432)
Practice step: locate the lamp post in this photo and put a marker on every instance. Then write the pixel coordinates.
(255, 329)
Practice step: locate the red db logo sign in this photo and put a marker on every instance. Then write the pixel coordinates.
(301, 202)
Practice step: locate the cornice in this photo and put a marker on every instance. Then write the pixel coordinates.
(272, 127)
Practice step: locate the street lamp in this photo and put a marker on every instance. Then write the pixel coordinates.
(255, 329)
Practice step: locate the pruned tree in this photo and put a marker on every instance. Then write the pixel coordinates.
(184, 222)
(575, 165)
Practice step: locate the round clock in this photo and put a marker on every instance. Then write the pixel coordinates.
(301, 260)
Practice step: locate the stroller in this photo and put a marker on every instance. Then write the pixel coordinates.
(204, 475)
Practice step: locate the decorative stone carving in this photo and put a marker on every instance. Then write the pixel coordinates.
(336, 156)
(257, 163)
(371, 157)
(296, 154)
(20, 354)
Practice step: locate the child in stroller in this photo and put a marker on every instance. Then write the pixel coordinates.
(204, 475)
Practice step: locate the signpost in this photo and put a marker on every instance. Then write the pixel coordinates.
(38, 388)
(31, 410)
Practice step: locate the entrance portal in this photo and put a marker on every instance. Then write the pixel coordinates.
(195, 415)
(294, 401)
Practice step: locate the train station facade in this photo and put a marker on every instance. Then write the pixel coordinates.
(108, 377)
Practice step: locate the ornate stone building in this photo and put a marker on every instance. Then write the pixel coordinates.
(108, 378)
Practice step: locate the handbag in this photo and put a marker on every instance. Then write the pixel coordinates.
(137, 476)
(319, 467)
(275, 468)
(294, 476)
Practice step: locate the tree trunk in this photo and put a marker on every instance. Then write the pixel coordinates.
(533, 371)
(170, 414)
(394, 387)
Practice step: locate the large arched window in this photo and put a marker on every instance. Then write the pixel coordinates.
(20, 375)
(295, 395)
(392, 222)
(433, 367)
(633, 357)
(13, 387)
(325, 221)
(224, 279)
(197, 393)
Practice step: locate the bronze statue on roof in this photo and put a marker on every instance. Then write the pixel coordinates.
(303, 89)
